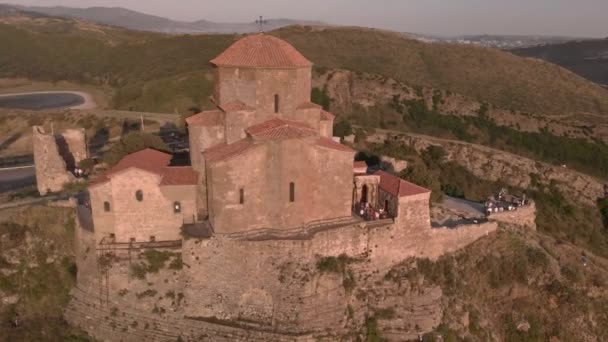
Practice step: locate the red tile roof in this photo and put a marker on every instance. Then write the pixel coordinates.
(326, 116)
(261, 51)
(308, 105)
(276, 129)
(329, 143)
(213, 117)
(399, 187)
(179, 175)
(147, 159)
(226, 151)
(235, 106)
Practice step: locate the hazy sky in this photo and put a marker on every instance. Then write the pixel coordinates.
(580, 18)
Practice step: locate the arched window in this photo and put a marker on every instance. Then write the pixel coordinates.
(292, 192)
(106, 206)
(177, 207)
(276, 103)
(139, 195)
(241, 196)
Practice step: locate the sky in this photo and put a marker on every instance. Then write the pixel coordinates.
(575, 18)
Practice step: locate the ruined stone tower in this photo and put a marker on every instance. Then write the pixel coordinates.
(56, 156)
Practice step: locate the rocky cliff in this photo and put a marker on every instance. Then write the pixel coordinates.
(352, 92)
(496, 165)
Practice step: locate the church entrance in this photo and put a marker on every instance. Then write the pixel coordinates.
(364, 194)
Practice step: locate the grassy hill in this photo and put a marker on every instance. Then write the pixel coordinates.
(588, 58)
(168, 69)
(485, 74)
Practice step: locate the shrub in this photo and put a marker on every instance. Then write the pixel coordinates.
(339, 265)
(320, 97)
(342, 128)
(138, 270)
(147, 293)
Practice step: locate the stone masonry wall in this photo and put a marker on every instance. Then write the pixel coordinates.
(322, 182)
(523, 216)
(51, 168)
(153, 216)
(257, 88)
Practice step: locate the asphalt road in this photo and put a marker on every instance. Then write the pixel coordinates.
(473, 208)
(17, 177)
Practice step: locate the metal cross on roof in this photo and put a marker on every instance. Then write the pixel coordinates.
(261, 22)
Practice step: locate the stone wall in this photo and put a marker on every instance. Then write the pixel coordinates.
(257, 88)
(153, 216)
(269, 286)
(523, 216)
(322, 181)
(51, 168)
(236, 123)
(326, 128)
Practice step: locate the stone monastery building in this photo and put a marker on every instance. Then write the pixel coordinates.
(236, 238)
(263, 159)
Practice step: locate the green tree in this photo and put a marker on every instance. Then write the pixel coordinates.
(320, 97)
(360, 135)
(419, 173)
(603, 206)
(87, 165)
(133, 142)
(342, 128)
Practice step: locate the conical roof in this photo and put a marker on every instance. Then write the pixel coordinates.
(261, 51)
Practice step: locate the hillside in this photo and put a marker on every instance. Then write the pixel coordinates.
(485, 74)
(588, 58)
(126, 18)
(138, 63)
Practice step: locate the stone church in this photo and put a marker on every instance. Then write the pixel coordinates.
(268, 196)
(264, 158)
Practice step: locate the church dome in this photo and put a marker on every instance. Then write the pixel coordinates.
(261, 51)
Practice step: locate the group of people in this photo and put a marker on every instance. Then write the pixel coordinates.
(368, 213)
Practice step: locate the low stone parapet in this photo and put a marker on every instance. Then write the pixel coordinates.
(523, 216)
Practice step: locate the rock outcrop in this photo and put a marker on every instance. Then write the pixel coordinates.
(496, 165)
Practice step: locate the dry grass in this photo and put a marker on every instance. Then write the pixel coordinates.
(485, 74)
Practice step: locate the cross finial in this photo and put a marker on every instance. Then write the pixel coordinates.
(261, 21)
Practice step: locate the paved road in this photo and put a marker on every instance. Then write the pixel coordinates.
(473, 208)
(17, 177)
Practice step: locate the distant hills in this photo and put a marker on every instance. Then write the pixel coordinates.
(133, 20)
(588, 58)
(504, 42)
(156, 72)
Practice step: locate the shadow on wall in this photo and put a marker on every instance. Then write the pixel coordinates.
(64, 152)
